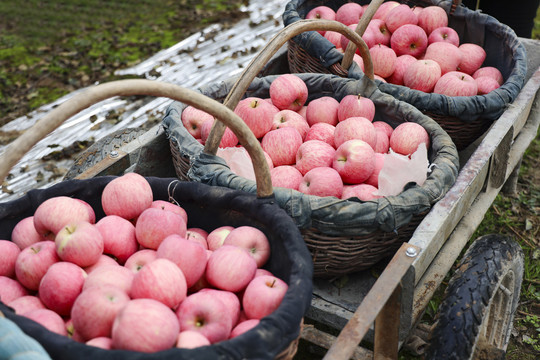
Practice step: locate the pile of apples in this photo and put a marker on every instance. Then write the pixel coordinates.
(414, 47)
(137, 279)
(325, 147)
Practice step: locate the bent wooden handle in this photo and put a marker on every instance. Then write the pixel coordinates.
(257, 64)
(16, 150)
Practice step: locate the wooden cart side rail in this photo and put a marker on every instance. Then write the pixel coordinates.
(486, 168)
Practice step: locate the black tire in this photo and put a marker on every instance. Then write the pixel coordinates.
(101, 149)
(475, 317)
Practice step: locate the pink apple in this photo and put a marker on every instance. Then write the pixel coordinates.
(207, 314)
(349, 13)
(282, 145)
(322, 181)
(288, 91)
(52, 214)
(231, 301)
(383, 142)
(26, 303)
(102, 261)
(345, 40)
(94, 310)
(384, 60)
(409, 39)
(355, 128)
(321, 12)
(384, 8)
(400, 15)
(486, 84)
(302, 111)
(198, 236)
(166, 205)
(145, 325)
(11, 289)
(286, 118)
(364, 192)
(370, 37)
(115, 275)
(322, 110)
(407, 137)
(9, 251)
(230, 268)
(431, 18)
(286, 176)
(60, 286)
(312, 154)
(380, 32)
(217, 236)
(257, 114)
(48, 319)
(119, 238)
(488, 71)
(228, 139)
(127, 196)
(189, 256)
(139, 259)
(251, 239)
(192, 119)
(473, 57)
(456, 83)
(101, 342)
(334, 37)
(154, 225)
(33, 262)
(444, 34)
(384, 126)
(402, 63)
(80, 243)
(356, 105)
(24, 233)
(161, 280)
(245, 325)
(359, 61)
(422, 75)
(323, 132)
(263, 296)
(447, 55)
(354, 161)
(189, 339)
(417, 9)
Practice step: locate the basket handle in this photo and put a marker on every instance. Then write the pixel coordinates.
(360, 29)
(257, 63)
(16, 150)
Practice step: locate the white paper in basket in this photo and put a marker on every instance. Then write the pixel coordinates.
(398, 170)
(238, 160)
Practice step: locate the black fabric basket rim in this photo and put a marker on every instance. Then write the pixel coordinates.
(239, 201)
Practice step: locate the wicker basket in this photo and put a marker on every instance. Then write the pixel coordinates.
(343, 236)
(277, 335)
(464, 118)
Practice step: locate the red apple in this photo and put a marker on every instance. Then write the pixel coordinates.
(231, 301)
(447, 55)
(9, 252)
(345, 40)
(60, 286)
(145, 325)
(33, 262)
(286, 176)
(154, 225)
(312, 154)
(384, 126)
(282, 145)
(380, 32)
(355, 128)
(334, 37)
(198, 235)
(422, 75)
(127, 196)
(48, 319)
(257, 114)
(431, 18)
(11, 289)
(263, 296)
(473, 57)
(189, 339)
(444, 34)
(217, 236)
(289, 118)
(349, 13)
(189, 256)
(228, 139)
(354, 161)
(245, 325)
(288, 91)
(486, 84)
(384, 8)
(24, 233)
(26, 303)
(409, 39)
(116, 275)
(251, 239)
(356, 105)
(382, 144)
(230, 268)
(400, 15)
(322, 181)
(384, 60)
(488, 71)
(94, 310)
(402, 63)
(407, 136)
(166, 205)
(139, 259)
(456, 83)
(119, 238)
(80, 243)
(323, 132)
(161, 280)
(322, 110)
(192, 119)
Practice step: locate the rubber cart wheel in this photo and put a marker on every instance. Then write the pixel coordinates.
(475, 317)
(101, 149)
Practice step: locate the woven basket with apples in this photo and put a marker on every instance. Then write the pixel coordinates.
(133, 267)
(460, 67)
(326, 182)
